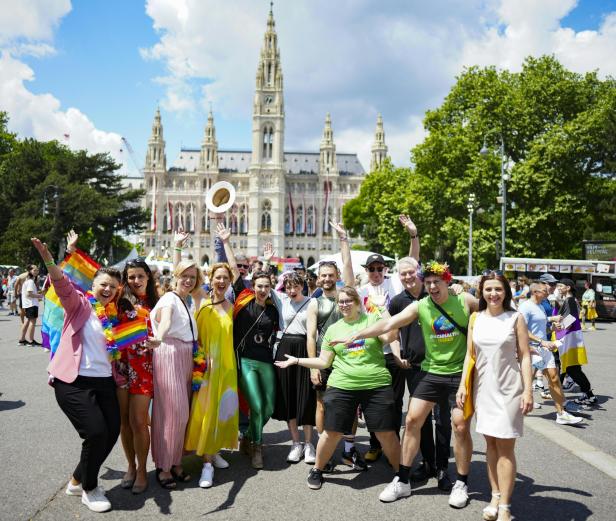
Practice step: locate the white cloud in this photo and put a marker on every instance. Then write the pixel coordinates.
(26, 28)
(354, 59)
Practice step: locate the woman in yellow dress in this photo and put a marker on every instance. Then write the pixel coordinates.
(213, 423)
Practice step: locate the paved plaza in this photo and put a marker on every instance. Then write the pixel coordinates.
(564, 473)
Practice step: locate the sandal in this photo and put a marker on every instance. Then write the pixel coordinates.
(182, 477)
(507, 508)
(490, 513)
(168, 483)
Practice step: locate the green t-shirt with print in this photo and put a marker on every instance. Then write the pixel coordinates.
(360, 365)
(445, 344)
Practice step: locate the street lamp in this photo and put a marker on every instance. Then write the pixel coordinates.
(470, 206)
(502, 198)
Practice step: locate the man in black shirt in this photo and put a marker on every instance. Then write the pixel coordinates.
(412, 347)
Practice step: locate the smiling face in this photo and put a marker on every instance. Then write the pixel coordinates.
(328, 276)
(186, 281)
(408, 275)
(376, 273)
(494, 293)
(137, 280)
(220, 280)
(262, 289)
(348, 305)
(294, 291)
(105, 288)
(437, 288)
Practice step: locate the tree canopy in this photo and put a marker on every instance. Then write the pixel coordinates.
(558, 129)
(91, 198)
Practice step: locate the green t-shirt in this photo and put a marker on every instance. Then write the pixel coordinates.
(445, 344)
(360, 365)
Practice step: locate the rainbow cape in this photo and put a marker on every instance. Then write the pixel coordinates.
(572, 351)
(80, 270)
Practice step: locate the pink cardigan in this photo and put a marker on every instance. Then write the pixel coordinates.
(77, 311)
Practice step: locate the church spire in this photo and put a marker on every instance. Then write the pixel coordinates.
(327, 162)
(209, 147)
(155, 157)
(379, 148)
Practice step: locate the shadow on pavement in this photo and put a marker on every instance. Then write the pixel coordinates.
(9, 406)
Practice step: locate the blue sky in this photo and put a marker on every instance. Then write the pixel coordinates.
(97, 69)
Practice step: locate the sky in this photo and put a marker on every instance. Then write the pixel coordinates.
(92, 72)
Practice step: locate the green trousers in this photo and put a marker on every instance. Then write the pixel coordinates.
(258, 385)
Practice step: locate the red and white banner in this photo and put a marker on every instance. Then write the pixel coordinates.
(291, 215)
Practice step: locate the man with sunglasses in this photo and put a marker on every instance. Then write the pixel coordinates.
(322, 312)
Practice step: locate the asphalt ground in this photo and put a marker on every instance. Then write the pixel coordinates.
(39, 449)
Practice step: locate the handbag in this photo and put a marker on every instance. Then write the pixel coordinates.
(469, 407)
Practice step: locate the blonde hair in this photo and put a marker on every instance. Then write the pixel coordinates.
(218, 266)
(185, 265)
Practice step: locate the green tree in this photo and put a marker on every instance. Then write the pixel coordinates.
(558, 131)
(91, 199)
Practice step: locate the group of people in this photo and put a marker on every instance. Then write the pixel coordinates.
(221, 359)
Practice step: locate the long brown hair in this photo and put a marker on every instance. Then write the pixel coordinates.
(495, 275)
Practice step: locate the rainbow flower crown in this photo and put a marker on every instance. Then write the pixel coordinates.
(437, 268)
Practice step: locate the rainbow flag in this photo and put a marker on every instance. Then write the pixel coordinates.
(80, 270)
(131, 332)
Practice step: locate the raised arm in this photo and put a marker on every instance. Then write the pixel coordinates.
(180, 239)
(410, 227)
(268, 253)
(224, 234)
(55, 273)
(345, 250)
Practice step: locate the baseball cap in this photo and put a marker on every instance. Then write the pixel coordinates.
(548, 278)
(567, 282)
(375, 257)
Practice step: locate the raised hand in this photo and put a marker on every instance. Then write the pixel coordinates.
(41, 247)
(222, 232)
(342, 233)
(268, 251)
(406, 221)
(180, 238)
(378, 298)
(71, 241)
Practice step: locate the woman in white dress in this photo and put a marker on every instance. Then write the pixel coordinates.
(502, 392)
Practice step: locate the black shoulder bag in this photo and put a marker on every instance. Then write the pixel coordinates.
(460, 328)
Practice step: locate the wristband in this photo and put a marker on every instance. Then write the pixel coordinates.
(414, 236)
(177, 249)
(297, 363)
(49, 263)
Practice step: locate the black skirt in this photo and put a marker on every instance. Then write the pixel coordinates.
(295, 397)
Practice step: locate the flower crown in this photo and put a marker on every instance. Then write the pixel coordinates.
(436, 268)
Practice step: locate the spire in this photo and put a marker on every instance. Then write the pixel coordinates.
(155, 157)
(379, 148)
(208, 159)
(269, 72)
(328, 164)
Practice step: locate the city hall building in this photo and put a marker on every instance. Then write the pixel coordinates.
(283, 197)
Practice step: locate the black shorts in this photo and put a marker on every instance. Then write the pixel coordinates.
(31, 312)
(437, 387)
(378, 406)
(324, 377)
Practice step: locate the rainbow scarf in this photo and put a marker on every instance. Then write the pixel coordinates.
(80, 270)
(108, 316)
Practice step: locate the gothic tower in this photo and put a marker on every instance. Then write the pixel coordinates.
(267, 181)
(379, 148)
(328, 182)
(208, 160)
(155, 159)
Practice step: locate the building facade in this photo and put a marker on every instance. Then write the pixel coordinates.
(286, 198)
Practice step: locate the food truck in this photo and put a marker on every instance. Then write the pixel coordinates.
(601, 274)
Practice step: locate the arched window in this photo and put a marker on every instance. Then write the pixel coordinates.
(233, 219)
(329, 216)
(268, 141)
(243, 220)
(166, 226)
(178, 217)
(311, 261)
(205, 221)
(190, 217)
(299, 219)
(287, 221)
(310, 230)
(266, 216)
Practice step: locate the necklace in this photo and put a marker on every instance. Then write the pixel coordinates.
(108, 316)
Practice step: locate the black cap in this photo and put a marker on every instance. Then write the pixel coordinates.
(567, 282)
(375, 257)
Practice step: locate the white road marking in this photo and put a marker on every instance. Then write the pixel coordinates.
(559, 435)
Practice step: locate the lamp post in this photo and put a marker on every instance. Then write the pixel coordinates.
(502, 198)
(56, 217)
(470, 206)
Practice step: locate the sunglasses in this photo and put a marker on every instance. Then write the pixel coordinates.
(137, 262)
(328, 263)
(245, 266)
(485, 273)
(379, 269)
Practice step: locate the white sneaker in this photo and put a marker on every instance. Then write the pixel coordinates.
(538, 384)
(458, 498)
(536, 405)
(566, 418)
(207, 476)
(73, 490)
(219, 462)
(395, 490)
(96, 500)
(310, 454)
(296, 452)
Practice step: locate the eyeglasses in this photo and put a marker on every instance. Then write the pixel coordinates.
(379, 269)
(344, 303)
(485, 273)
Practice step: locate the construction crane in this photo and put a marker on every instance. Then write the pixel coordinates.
(131, 154)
